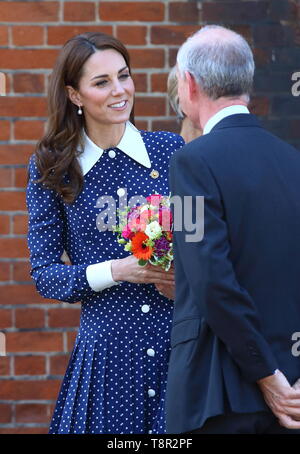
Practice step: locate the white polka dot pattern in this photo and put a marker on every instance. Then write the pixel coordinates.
(116, 378)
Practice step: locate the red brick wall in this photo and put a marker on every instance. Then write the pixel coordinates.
(40, 333)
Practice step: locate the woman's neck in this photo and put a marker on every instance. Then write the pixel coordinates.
(188, 131)
(106, 136)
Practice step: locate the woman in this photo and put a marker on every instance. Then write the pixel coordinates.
(116, 377)
(188, 131)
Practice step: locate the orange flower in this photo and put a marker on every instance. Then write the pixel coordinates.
(139, 249)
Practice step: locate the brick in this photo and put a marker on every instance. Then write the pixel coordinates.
(30, 365)
(269, 35)
(172, 34)
(71, 336)
(4, 365)
(13, 247)
(147, 58)
(142, 125)
(34, 342)
(4, 224)
(140, 82)
(3, 35)
(184, 12)
(63, 317)
(4, 271)
(21, 271)
(30, 318)
(28, 83)
(5, 318)
(31, 413)
(235, 12)
(132, 35)
(24, 430)
(58, 364)
(79, 11)
(22, 294)
(58, 35)
(266, 82)
(172, 57)
(27, 35)
(132, 11)
(159, 82)
(28, 130)
(20, 177)
(28, 58)
(40, 11)
(5, 413)
(20, 224)
(12, 200)
(283, 105)
(166, 125)
(262, 57)
(4, 132)
(29, 389)
(280, 10)
(28, 106)
(152, 106)
(259, 105)
(6, 178)
(15, 154)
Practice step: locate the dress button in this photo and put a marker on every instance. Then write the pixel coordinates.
(112, 154)
(151, 392)
(121, 192)
(150, 352)
(145, 308)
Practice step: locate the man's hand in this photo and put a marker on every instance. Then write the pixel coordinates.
(282, 398)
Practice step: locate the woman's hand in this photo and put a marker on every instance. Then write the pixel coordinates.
(167, 290)
(128, 269)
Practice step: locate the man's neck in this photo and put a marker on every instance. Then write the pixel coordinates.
(209, 108)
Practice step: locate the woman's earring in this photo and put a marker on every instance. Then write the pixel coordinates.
(79, 110)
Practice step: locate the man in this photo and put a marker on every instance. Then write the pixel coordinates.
(237, 304)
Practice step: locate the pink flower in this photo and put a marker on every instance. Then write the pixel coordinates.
(127, 233)
(154, 199)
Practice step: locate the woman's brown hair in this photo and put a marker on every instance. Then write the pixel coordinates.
(56, 153)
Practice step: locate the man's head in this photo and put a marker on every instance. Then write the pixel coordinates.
(214, 65)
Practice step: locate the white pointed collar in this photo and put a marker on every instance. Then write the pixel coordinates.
(131, 144)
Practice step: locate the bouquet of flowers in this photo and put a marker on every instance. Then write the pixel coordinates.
(145, 230)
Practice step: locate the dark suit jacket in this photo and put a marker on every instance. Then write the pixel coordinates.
(238, 290)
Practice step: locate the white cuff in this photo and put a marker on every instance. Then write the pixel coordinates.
(99, 276)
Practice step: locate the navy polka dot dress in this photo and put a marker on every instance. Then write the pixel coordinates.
(116, 377)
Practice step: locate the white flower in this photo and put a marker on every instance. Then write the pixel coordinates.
(153, 230)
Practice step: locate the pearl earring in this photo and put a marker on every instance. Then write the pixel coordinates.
(79, 111)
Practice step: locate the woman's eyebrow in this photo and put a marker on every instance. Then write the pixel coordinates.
(106, 75)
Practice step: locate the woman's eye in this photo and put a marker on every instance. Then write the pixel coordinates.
(124, 76)
(101, 83)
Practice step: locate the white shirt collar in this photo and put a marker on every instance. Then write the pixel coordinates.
(131, 144)
(223, 113)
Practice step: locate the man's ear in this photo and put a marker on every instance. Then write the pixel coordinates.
(192, 85)
(73, 95)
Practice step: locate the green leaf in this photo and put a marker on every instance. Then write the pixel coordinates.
(142, 262)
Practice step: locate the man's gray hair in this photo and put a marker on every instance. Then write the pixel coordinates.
(222, 67)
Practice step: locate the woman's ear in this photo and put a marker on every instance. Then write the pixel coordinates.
(73, 96)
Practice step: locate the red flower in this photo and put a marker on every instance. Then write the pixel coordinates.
(139, 248)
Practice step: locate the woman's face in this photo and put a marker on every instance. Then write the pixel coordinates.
(106, 90)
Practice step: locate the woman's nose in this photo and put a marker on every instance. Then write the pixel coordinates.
(117, 88)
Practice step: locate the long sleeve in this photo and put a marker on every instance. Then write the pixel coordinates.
(226, 306)
(46, 233)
